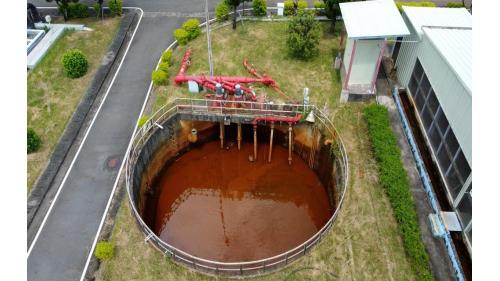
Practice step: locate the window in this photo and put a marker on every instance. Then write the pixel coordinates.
(434, 137)
(469, 235)
(426, 118)
(432, 102)
(413, 85)
(454, 182)
(425, 86)
(442, 121)
(418, 70)
(451, 142)
(462, 165)
(419, 99)
(444, 159)
(465, 209)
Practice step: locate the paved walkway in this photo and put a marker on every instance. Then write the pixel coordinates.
(64, 242)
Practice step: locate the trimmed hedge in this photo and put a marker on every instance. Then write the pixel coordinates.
(222, 11)
(104, 250)
(394, 179)
(74, 63)
(400, 4)
(302, 5)
(34, 141)
(159, 77)
(78, 10)
(163, 66)
(142, 121)
(454, 5)
(289, 8)
(115, 6)
(182, 36)
(192, 27)
(259, 8)
(167, 57)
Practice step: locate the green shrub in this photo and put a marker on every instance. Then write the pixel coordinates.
(454, 5)
(97, 9)
(289, 8)
(222, 11)
(77, 10)
(167, 56)
(394, 180)
(75, 63)
(399, 4)
(319, 6)
(115, 6)
(303, 36)
(192, 27)
(142, 121)
(302, 5)
(163, 66)
(34, 141)
(182, 36)
(259, 8)
(104, 250)
(159, 77)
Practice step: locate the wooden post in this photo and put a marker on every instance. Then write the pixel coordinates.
(239, 136)
(271, 143)
(221, 134)
(255, 142)
(290, 144)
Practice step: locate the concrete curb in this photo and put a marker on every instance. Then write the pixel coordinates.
(44, 182)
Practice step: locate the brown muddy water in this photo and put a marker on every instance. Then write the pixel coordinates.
(215, 204)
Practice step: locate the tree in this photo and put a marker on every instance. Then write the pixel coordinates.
(234, 4)
(304, 33)
(63, 6)
(332, 10)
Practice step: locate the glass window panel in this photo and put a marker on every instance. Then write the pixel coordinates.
(435, 138)
(464, 209)
(442, 121)
(469, 235)
(451, 142)
(413, 86)
(454, 182)
(432, 102)
(425, 85)
(462, 166)
(419, 100)
(426, 118)
(444, 159)
(418, 70)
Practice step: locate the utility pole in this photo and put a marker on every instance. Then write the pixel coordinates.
(209, 43)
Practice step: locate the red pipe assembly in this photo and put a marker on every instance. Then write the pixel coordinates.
(229, 83)
(287, 119)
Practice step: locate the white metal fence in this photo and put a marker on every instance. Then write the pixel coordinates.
(223, 108)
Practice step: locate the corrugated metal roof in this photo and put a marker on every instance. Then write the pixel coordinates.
(438, 17)
(455, 46)
(372, 19)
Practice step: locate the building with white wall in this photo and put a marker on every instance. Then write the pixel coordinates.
(434, 63)
(368, 25)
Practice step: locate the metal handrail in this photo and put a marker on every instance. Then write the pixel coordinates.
(179, 106)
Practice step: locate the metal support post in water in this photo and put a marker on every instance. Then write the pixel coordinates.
(255, 142)
(271, 142)
(221, 134)
(290, 143)
(239, 136)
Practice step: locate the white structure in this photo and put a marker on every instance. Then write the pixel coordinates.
(434, 63)
(368, 25)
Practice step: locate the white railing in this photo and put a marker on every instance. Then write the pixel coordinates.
(244, 109)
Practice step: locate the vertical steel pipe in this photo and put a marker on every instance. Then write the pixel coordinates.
(221, 136)
(290, 143)
(239, 136)
(255, 142)
(271, 143)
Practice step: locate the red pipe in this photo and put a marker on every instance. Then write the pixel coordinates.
(185, 62)
(289, 120)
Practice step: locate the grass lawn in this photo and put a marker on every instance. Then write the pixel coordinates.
(364, 243)
(52, 97)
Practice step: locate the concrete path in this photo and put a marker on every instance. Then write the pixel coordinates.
(63, 242)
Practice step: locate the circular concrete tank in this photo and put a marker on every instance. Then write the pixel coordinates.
(210, 206)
